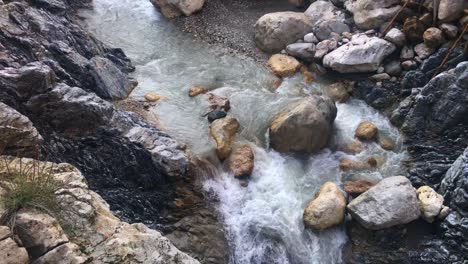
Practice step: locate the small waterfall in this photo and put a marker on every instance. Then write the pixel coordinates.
(263, 220)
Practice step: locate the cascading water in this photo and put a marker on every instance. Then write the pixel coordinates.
(263, 220)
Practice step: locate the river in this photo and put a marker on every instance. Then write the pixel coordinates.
(263, 220)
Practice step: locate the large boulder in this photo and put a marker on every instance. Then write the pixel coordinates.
(370, 14)
(361, 54)
(327, 209)
(223, 132)
(303, 126)
(174, 8)
(274, 31)
(11, 253)
(451, 10)
(16, 130)
(393, 201)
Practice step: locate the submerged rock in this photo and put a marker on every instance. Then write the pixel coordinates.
(355, 188)
(339, 91)
(327, 209)
(303, 126)
(393, 201)
(196, 90)
(217, 114)
(283, 65)
(152, 97)
(274, 31)
(223, 132)
(241, 161)
(362, 54)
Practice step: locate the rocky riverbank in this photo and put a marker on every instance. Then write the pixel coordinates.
(58, 85)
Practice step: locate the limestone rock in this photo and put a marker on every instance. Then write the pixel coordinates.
(366, 131)
(323, 10)
(16, 130)
(430, 203)
(4, 232)
(357, 187)
(327, 209)
(174, 8)
(241, 161)
(393, 201)
(224, 131)
(11, 253)
(283, 65)
(274, 31)
(433, 37)
(68, 253)
(451, 10)
(303, 126)
(303, 51)
(39, 232)
(396, 37)
(362, 54)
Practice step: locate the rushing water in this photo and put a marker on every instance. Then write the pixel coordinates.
(263, 220)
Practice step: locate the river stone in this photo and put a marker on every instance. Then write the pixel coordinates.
(274, 31)
(152, 97)
(241, 161)
(327, 209)
(310, 38)
(303, 126)
(323, 47)
(396, 37)
(369, 14)
(339, 91)
(224, 131)
(323, 11)
(326, 29)
(386, 142)
(451, 10)
(11, 253)
(393, 201)
(16, 130)
(174, 8)
(423, 51)
(357, 187)
(111, 82)
(433, 37)
(38, 232)
(451, 31)
(393, 68)
(362, 54)
(366, 131)
(356, 165)
(413, 29)
(303, 51)
(283, 65)
(430, 203)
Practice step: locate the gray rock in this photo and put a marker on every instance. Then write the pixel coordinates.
(380, 77)
(323, 47)
(65, 253)
(111, 82)
(423, 51)
(396, 37)
(304, 51)
(369, 14)
(325, 28)
(454, 183)
(433, 37)
(393, 201)
(407, 53)
(310, 38)
(275, 31)
(451, 10)
(16, 130)
(322, 11)
(303, 126)
(451, 31)
(11, 253)
(393, 68)
(409, 65)
(362, 54)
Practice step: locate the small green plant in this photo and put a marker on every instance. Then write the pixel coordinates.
(27, 184)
